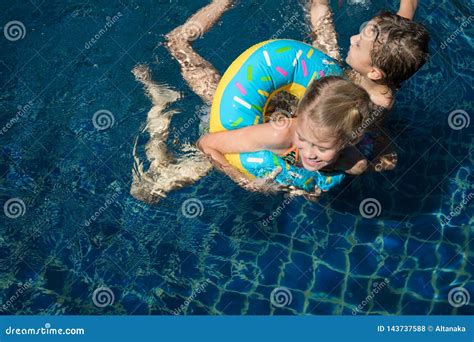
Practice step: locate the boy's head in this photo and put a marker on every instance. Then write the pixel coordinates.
(389, 49)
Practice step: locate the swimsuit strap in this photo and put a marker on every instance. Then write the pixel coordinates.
(291, 156)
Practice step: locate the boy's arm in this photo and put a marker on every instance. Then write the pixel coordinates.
(323, 30)
(407, 8)
(319, 8)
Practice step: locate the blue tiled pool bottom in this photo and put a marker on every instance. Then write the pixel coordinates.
(65, 255)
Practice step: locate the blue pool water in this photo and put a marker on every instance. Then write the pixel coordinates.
(72, 229)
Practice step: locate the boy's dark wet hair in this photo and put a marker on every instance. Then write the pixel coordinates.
(400, 47)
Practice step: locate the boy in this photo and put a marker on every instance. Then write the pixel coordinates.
(374, 68)
(387, 51)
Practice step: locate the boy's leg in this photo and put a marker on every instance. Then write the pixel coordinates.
(201, 76)
(164, 173)
(322, 28)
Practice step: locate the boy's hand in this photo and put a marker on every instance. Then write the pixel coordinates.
(407, 8)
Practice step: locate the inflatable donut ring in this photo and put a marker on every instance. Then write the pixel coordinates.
(247, 87)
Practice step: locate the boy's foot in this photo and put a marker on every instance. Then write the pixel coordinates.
(160, 95)
(142, 73)
(200, 22)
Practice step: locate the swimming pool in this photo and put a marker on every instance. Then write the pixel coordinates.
(73, 241)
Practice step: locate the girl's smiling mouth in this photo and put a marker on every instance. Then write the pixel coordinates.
(313, 163)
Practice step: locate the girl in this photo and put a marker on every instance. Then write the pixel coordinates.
(329, 120)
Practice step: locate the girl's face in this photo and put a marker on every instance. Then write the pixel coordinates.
(317, 145)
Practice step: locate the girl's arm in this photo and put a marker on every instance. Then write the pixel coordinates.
(248, 139)
(407, 8)
(352, 161)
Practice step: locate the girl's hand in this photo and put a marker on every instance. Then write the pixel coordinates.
(310, 196)
(313, 196)
(266, 184)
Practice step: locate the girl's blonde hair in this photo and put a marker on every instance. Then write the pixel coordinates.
(337, 104)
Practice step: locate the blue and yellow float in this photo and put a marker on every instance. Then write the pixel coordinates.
(245, 90)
